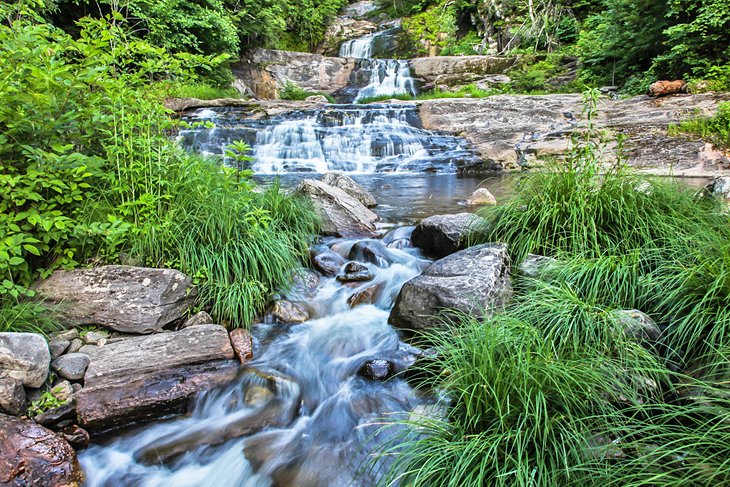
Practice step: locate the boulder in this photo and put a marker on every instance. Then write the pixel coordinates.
(139, 378)
(327, 262)
(341, 214)
(458, 70)
(639, 326)
(372, 251)
(472, 281)
(664, 88)
(533, 265)
(349, 186)
(441, 235)
(25, 357)
(481, 197)
(33, 455)
(201, 318)
(304, 284)
(242, 343)
(12, 396)
(120, 298)
(71, 366)
(283, 311)
(356, 272)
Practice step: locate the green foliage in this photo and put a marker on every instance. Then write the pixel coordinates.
(715, 129)
(292, 91)
(201, 91)
(465, 91)
(26, 317)
(46, 402)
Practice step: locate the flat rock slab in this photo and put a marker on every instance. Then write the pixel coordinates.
(139, 378)
(349, 186)
(32, 455)
(442, 235)
(121, 298)
(24, 357)
(342, 215)
(472, 281)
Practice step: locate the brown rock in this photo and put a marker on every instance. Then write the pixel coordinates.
(31, 455)
(288, 312)
(242, 342)
(481, 197)
(664, 88)
(12, 396)
(366, 296)
(201, 318)
(76, 436)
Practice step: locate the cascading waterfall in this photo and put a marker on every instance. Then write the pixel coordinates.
(350, 138)
(384, 76)
(301, 413)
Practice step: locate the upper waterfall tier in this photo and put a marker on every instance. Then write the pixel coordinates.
(351, 138)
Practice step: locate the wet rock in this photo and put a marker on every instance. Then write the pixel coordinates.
(71, 366)
(145, 377)
(304, 285)
(639, 326)
(533, 265)
(344, 29)
(341, 214)
(399, 238)
(377, 369)
(288, 312)
(481, 197)
(57, 346)
(51, 419)
(720, 187)
(12, 396)
(664, 88)
(95, 337)
(441, 235)
(75, 345)
(76, 436)
(201, 318)
(365, 296)
(25, 357)
(472, 281)
(242, 343)
(328, 262)
(372, 251)
(31, 455)
(120, 298)
(349, 186)
(356, 272)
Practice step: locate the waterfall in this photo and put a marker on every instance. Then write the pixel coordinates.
(350, 138)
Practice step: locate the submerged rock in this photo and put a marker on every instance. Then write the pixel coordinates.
(349, 186)
(377, 369)
(32, 455)
(366, 296)
(120, 298)
(441, 235)
(144, 377)
(341, 214)
(472, 281)
(25, 357)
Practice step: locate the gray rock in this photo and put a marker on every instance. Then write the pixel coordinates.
(94, 337)
(349, 186)
(63, 391)
(639, 326)
(513, 132)
(372, 251)
(317, 99)
(458, 70)
(57, 416)
(67, 334)
(341, 214)
(441, 235)
(25, 357)
(71, 366)
(473, 281)
(148, 376)
(12, 396)
(88, 349)
(33, 455)
(720, 187)
(201, 318)
(75, 346)
(356, 272)
(304, 285)
(327, 262)
(533, 265)
(57, 346)
(121, 298)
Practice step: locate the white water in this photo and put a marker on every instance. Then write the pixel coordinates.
(336, 414)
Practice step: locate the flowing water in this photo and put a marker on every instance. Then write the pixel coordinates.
(351, 138)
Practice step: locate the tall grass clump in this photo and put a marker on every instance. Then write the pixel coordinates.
(520, 412)
(27, 317)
